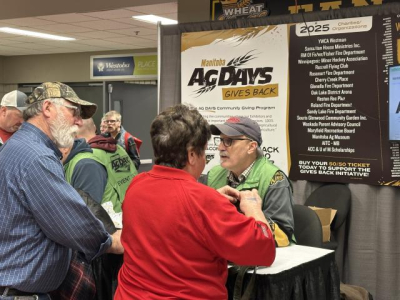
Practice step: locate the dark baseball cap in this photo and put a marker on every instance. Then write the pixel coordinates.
(235, 126)
(49, 90)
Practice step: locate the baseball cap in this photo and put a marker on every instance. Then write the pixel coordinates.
(14, 99)
(49, 90)
(239, 126)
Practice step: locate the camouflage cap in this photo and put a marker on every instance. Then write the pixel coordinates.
(49, 90)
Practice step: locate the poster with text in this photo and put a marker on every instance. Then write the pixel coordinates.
(240, 72)
(338, 119)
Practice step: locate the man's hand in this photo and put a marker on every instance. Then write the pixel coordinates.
(250, 200)
(250, 205)
(116, 246)
(230, 193)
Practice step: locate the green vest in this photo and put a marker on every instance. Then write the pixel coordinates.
(259, 178)
(120, 171)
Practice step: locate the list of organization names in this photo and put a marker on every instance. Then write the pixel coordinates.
(331, 119)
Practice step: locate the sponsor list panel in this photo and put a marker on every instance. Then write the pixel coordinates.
(334, 116)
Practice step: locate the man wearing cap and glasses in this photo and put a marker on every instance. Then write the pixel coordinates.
(131, 144)
(12, 105)
(42, 217)
(243, 166)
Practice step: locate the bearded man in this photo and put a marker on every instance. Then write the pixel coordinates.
(43, 218)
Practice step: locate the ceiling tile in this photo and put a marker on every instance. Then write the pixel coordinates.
(110, 14)
(33, 46)
(27, 22)
(68, 18)
(63, 28)
(57, 44)
(25, 39)
(136, 23)
(136, 32)
(9, 41)
(93, 31)
(156, 8)
(103, 25)
(101, 34)
(134, 41)
(100, 43)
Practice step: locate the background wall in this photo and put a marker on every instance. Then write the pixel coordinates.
(73, 67)
(28, 8)
(193, 11)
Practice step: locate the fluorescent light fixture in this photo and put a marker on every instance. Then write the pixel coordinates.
(155, 19)
(35, 34)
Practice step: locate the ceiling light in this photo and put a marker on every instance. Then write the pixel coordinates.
(35, 34)
(155, 19)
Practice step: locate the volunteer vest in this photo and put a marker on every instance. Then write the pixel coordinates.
(120, 171)
(259, 178)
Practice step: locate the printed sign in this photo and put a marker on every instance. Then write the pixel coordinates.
(143, 66)
(338, 118)
(231, 73)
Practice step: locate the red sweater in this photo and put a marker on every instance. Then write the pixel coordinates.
(178, 235)
(4, 136)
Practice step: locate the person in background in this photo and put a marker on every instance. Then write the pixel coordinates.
(101, 168)
(179, 234)
(243, 167)
(11, 107)
(104, 173)
(103, 126)
(126, 140)
(43, 219)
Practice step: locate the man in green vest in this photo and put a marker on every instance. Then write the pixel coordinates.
(102, 169)
(243, 166)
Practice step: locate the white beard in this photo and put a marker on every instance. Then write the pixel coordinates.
(63, 133)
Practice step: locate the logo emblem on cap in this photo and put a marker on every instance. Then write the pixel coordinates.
(233, 120)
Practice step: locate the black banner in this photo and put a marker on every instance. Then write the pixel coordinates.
(338, 115)
(233, 9)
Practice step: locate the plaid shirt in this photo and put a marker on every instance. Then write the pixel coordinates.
(233, 181)
(79, 283)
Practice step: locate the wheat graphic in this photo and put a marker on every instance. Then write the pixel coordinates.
(204, 89)
(241, 60)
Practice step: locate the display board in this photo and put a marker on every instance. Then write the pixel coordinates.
(337, 90)
(339, 100)
(231, 73)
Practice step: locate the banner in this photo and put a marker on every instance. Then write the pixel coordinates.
(232, 73)
(338, 119)
(123, 67)
(235, 9)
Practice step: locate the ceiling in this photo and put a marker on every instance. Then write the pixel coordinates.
(94, 31)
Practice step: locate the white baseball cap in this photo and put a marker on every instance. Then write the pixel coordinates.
(14, 99)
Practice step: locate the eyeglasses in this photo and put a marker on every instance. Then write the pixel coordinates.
(76, 110)
(110, 121)
(227, 141)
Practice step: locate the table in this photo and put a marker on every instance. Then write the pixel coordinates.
(298, 273)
